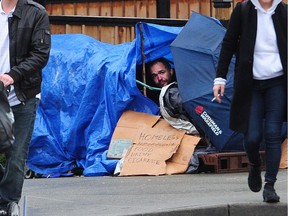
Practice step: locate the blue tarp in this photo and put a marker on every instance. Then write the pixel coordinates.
(87, 85)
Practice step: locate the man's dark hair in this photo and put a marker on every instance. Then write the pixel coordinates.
(164, 61)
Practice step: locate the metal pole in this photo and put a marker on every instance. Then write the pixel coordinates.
(143, 59)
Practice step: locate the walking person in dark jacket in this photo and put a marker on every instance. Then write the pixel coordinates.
(257, 34)
(25, 43)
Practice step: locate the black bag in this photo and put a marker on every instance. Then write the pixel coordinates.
(6, 122)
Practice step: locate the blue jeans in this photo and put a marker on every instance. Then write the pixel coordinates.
(12, 175)
(267, 113)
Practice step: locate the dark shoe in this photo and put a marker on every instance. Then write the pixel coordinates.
(254, 178)
(270, 195)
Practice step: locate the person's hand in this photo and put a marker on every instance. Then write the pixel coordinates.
(218, 90)
(6, 79)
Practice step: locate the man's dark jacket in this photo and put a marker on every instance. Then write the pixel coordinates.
(30, 42)
(240, 40)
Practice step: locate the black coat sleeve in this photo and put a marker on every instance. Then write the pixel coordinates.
(230, 42)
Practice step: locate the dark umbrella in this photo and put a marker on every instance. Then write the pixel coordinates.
(195, 52)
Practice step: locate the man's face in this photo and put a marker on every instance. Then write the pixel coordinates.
(160, 75)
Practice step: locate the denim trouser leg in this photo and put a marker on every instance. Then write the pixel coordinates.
(268, 102)
(12, 181)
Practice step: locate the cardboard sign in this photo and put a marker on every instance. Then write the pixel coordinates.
(132, 119)
(178, 163)
(130, 122)
(152, 148)
(157, 148)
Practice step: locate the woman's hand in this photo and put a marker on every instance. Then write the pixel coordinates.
(219, 90)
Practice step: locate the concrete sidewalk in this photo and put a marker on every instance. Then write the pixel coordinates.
(187, 194)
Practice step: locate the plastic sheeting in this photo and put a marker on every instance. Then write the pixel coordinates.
(86, 87)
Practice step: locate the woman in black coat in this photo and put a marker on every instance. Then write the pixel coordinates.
(257, 34)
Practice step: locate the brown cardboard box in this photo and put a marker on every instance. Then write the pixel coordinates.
(157, 148)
